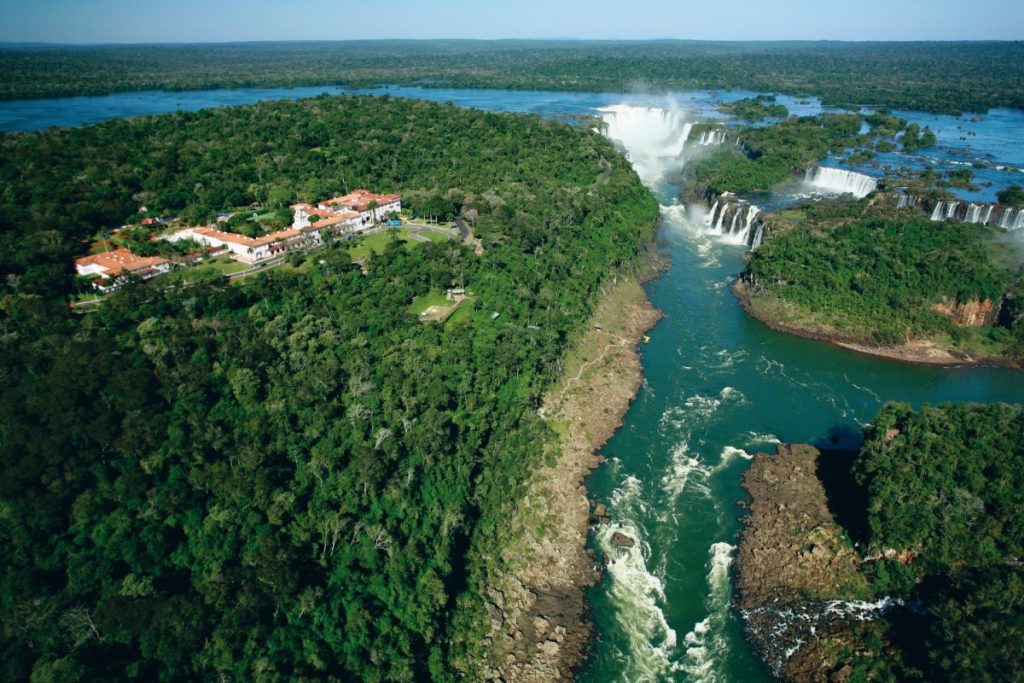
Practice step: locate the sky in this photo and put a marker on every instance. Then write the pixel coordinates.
(142, 21)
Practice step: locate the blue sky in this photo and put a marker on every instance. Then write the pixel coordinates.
(105, 21)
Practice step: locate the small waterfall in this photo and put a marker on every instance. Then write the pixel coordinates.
(758, 237)
(712, 137)
(973, 213)
(1012, 219)
(905, 200)
(988, 215)
(944, 211)
(839, 181)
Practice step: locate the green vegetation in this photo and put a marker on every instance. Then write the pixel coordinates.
(876, 280)
(947, 485)
(939, 77)
(914, 138)
(756, 108)
(772, 154)
(292, 478)
(1014, 194)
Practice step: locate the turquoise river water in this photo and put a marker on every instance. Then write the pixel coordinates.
(718, 385)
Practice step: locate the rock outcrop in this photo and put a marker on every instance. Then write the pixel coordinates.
(975, 313)
(797, 582)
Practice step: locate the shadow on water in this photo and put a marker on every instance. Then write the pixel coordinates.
(847, 500)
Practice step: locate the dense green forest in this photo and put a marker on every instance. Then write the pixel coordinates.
(944, 488)
(875, 279)
(293, 478)
(939, 77)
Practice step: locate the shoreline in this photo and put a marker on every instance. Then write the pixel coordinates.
(923, 353)
(540, 628)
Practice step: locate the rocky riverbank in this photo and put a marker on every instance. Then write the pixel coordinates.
(539, 630)
(774, 314)
(798, 585)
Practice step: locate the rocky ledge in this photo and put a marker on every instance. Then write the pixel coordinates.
(797, 578)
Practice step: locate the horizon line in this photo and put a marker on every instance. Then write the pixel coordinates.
(279, 41)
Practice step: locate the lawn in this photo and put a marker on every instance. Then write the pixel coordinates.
(463, 312)
(361, 248)
(425, 301)
(434, 236)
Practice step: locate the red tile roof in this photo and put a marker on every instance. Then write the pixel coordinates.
(119, 261)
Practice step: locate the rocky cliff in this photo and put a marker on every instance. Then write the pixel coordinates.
(798, 585)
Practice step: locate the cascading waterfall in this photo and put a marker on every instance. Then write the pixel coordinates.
(744, 227)
(838, 181)
(973, 213)
(1012, 219)
(978, 213)
(945, 211)
(711, 137)
(905, 200)
(654, 137)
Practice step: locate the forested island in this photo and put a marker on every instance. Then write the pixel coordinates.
(892, 283)
(940, 77)
(902, 561)
(294, 477)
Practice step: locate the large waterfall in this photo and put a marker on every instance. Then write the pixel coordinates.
(654, 137)
(838, 181)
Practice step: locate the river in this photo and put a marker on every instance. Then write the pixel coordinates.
(718, 384)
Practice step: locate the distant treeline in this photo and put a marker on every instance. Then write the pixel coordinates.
(937, 77)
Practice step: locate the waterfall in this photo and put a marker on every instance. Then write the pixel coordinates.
(1012, 219)
(758, 237)
(905, 200)
(710, 219)
(988, 215)
(654, 137)
(712, 137)
(937, 211)
(951, 210)
(973, 213)
(838, 181)
(743, 226)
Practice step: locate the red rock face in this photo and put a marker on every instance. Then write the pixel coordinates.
(969, 314)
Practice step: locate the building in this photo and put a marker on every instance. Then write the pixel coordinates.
(369, 208)
(111, 266)
(249, 249)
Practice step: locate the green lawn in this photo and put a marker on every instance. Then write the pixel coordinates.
(434, 236)
(463, 312)
(225, 264)
(361, 248)
(425, 301)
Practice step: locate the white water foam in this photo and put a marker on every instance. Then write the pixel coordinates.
(636, 592)
(729, 455)
(706, 644)
(682, 469)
